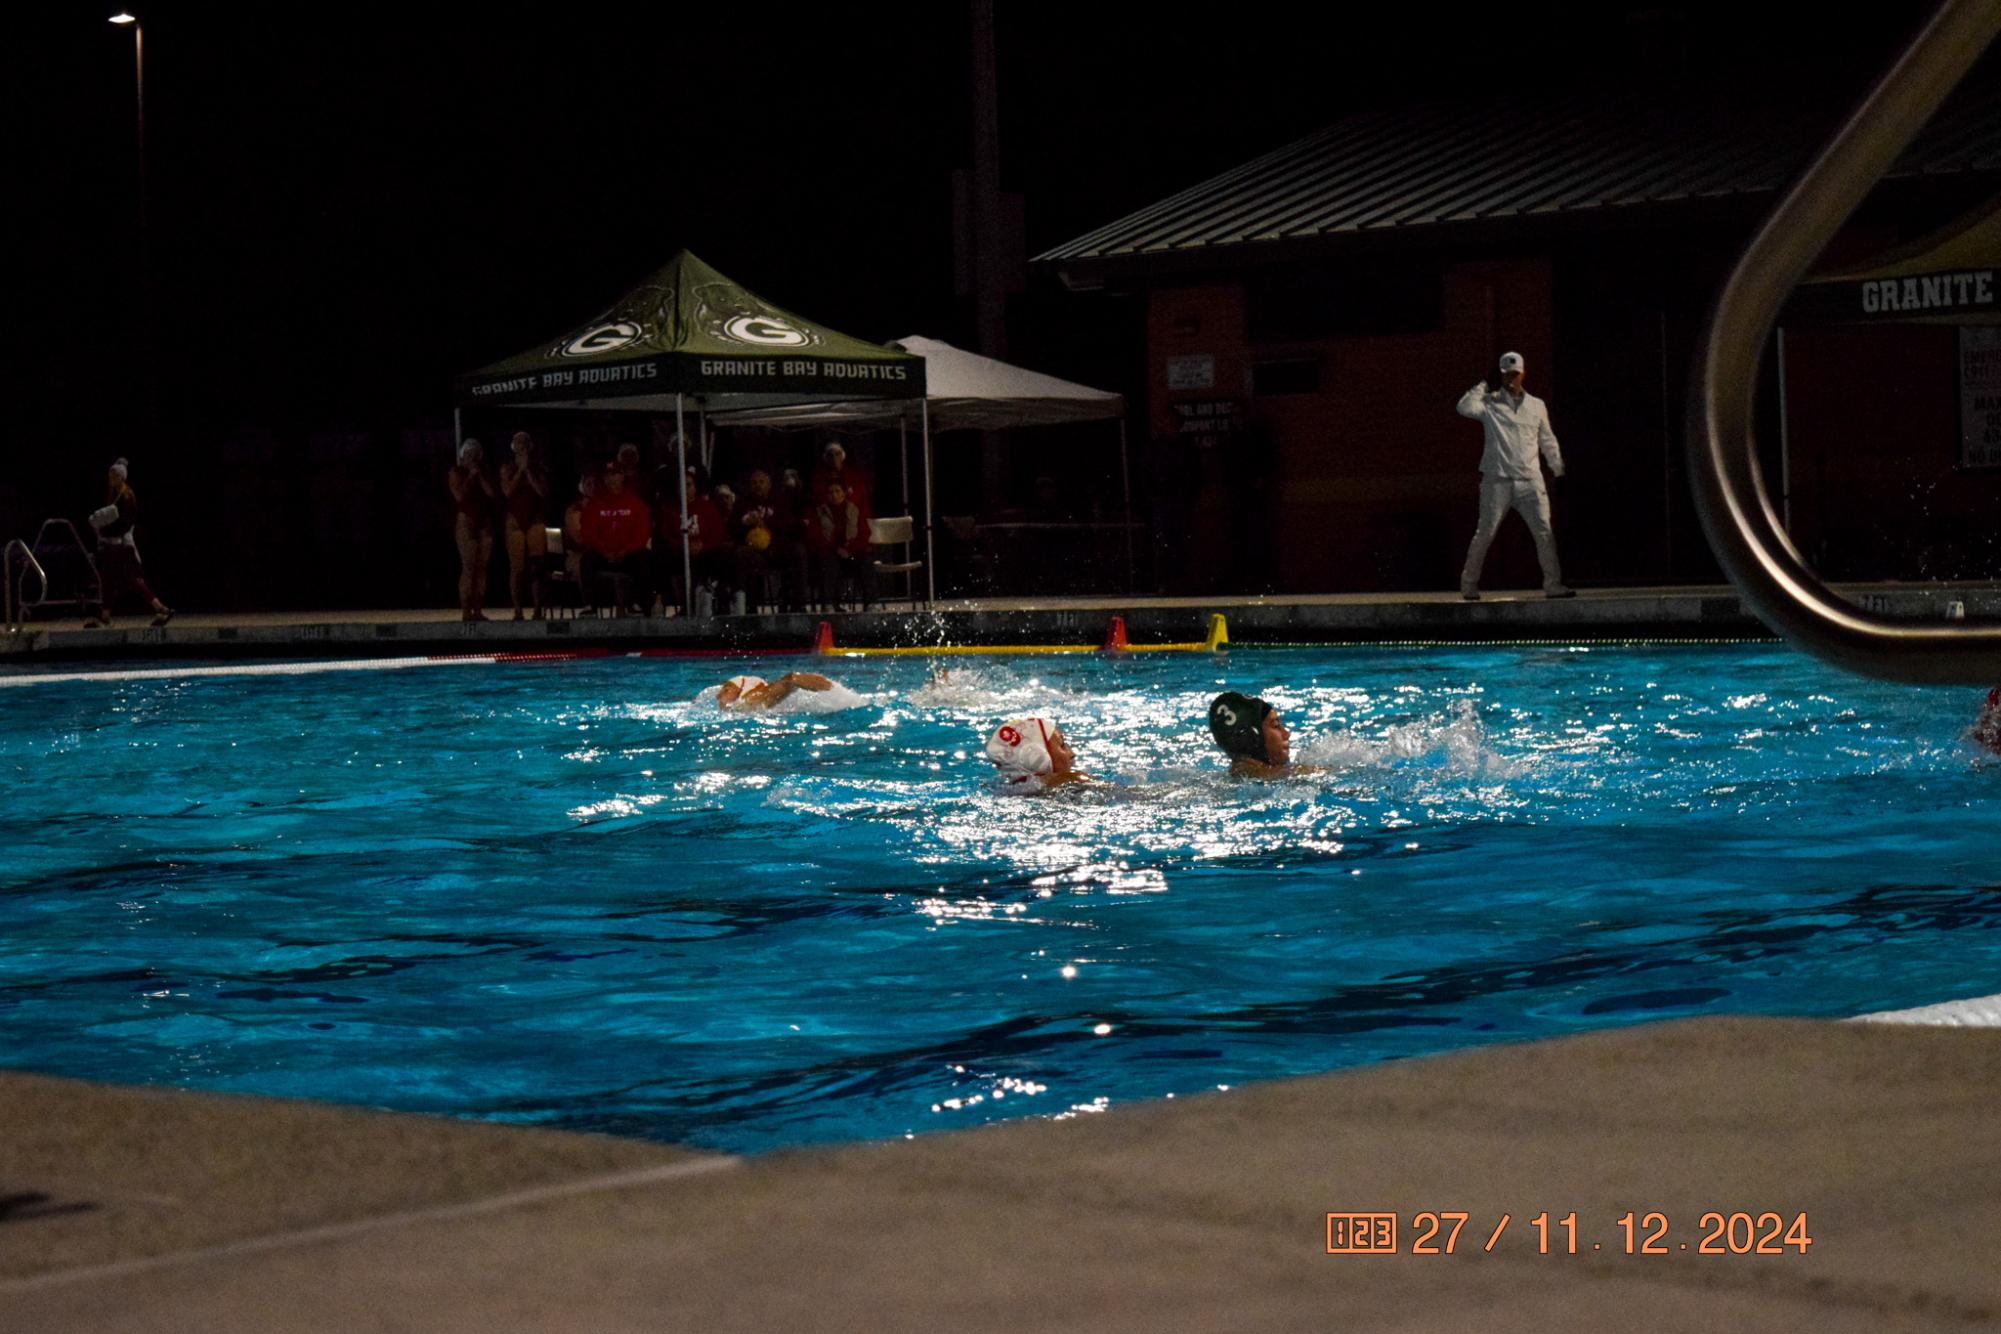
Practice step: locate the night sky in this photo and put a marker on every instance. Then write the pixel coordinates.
(349, 206)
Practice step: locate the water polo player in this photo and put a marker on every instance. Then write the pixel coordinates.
(1032, 753)
(747, 694)
(1253, 735)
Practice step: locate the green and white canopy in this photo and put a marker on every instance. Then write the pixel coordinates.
(689, 333)
(1950, 277)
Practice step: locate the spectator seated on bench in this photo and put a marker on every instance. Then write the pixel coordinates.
(839, 542)
(616, 527)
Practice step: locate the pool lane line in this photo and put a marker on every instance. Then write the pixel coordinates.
(383, 664)
(310, 1236)
(1575, 641)
(957, 650)
(246, 669)
(1115, 642)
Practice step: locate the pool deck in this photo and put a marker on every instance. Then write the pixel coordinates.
(134, 1210)
(1683, 613)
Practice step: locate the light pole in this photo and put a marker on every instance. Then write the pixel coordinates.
(124, 18)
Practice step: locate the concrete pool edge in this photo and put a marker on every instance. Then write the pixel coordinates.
(1189, 1214)
(1602, 615)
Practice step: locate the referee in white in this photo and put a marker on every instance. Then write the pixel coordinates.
(1516, 426)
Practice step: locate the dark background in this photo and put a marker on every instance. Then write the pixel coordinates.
(348, 205)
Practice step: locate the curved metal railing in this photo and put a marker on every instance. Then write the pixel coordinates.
(17, 555)
(1730, 494)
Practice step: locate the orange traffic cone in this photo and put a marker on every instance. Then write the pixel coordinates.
(823, 639)
(1115, 636)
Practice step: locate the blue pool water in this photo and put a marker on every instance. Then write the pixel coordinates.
(573, 894)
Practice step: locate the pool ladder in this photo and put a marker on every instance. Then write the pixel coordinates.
(17, 556)
(1737, 514)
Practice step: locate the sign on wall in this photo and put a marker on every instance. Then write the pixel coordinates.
(1191, 372)
(1205, 424)
(1980, 396)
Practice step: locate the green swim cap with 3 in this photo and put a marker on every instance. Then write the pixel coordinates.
(1238, 724)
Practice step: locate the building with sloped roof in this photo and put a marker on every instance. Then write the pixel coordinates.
(1313, 314)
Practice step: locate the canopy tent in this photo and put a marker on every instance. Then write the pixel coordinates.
(1949, 277)
(1952, 277)
(689, 334)
(964, 391)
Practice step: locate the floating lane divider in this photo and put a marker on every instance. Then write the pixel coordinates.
(1115, 641)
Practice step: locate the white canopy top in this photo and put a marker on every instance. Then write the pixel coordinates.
(965, 391)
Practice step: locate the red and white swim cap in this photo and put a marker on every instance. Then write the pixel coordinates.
(1021, 747)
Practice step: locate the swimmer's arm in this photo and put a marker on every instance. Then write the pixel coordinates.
(805, 681)
(1246, 768)
(785, 685)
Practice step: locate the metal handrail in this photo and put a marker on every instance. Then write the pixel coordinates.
(16, 596)
(1730, 494)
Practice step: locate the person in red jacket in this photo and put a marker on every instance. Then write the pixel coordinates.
(617, 525)
(834, 471)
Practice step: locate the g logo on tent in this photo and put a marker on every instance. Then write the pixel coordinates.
(764, 331)
(601, 338)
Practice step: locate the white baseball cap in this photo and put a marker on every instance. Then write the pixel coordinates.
(1511, 361)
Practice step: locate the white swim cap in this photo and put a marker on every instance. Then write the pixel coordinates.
(745, 683)
(1021, 747)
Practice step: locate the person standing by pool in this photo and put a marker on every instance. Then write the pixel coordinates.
(526, 484)
(1033, 752)
(1515, 426)
(118, 569)
(1255, 738)
(476, 497)
(748, 694)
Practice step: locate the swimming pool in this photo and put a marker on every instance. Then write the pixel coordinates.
(572, 894)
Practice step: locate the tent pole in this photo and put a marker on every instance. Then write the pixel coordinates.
(1785, 446)
(930, 553)
(681, 481)
(1126, 481)
(903, 475)
(458, 432)
(702, 432)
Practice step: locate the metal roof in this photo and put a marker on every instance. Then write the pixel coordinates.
(1420, 167)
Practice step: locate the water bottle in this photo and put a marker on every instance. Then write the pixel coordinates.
(705, 601)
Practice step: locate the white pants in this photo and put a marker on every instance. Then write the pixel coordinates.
(1528, 496)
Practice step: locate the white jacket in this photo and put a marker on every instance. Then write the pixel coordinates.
(1515, 433)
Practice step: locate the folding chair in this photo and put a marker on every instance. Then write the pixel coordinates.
(897, 532)
(559, 589)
